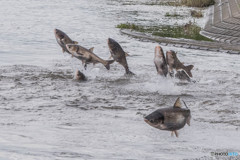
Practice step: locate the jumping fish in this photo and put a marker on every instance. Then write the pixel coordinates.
(170, 119)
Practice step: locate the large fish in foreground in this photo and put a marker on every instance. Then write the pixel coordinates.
(87, 56)
(160, 61)
(170, 119)
(63, 39)
(174, 63)
(118, 54)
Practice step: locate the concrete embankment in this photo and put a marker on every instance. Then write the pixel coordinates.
(224, 22)
(186, 43)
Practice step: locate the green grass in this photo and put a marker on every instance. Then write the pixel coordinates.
(170, 3)
(188, 31)
(173, 15)
(130, 26)
(190, 3)
(196, 14)
(197, 3)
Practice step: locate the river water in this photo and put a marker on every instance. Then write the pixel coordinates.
(46, 115)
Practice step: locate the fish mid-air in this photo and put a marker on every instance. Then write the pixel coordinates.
(160, 61)
(118, 54)
(174, 63)
(87, 56)
(170, 119)
(63, 39)
(79, 76)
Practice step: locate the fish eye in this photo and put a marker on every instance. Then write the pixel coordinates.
(151, 121)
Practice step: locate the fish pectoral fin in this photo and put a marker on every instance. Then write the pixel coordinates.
(75, 42)
(178, 103)
(172, 133)
(188, 120)
(77, 54)
(126, 54)
(91, 49)
(83, 62)
(62, 41)
(95, 62)
(176, 133)
(85, 66)
(110, 57)
(156, 67)
(171, 73)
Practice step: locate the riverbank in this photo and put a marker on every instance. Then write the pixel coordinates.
(187, 31)
(222, 27)
(186, 43)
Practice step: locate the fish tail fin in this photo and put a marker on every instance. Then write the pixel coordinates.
(107, 65)
(129, 72)
(188, 69)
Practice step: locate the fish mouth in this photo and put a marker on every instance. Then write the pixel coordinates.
(110, 41)
(56, 31)
(158, 47)
(58, 35)
(147, 121)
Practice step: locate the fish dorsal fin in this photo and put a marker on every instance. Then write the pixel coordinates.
(178, 103)
(91, 49)
(75, 42)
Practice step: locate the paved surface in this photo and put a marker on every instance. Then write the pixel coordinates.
(224, 22)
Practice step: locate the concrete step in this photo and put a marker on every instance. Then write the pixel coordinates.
(224, 9)
(221, 38)
(224, 25)
(217, 13)
(232, 20)
(234, 8)
(220, 31)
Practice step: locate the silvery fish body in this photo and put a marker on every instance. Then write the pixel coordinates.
(63, 39)
(160, 61)
(170, 119)
(118, 54)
